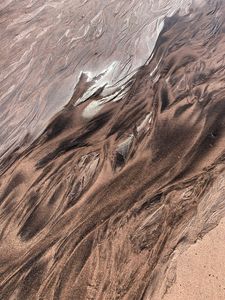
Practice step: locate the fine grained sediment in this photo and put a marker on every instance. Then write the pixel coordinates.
(98, 204)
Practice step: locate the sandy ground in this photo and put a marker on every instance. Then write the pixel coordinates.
(124, 176)
(201, 269)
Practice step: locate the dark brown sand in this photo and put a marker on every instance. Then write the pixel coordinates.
(100, 202)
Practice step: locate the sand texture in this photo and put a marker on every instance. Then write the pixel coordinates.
(112, 166)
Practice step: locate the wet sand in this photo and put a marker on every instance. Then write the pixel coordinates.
(46, 45)
(121, 170)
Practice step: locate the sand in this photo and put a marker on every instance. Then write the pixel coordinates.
(200, 269)
(113, 150)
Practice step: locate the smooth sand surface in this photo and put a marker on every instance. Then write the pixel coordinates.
(201, 269)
